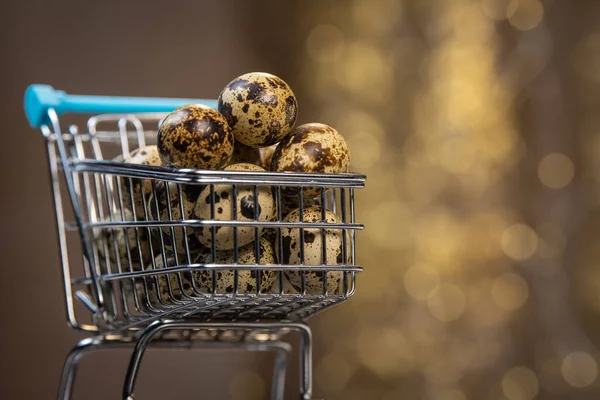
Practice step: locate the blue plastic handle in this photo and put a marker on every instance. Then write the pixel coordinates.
(40, 98)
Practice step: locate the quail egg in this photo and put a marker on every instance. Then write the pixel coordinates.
(159, 208)
(195, 136)
(313, 250)
(123, 244)
(247, 280)
(139, 189)
(260, 108)
(288, 204)
(223, 209)
(311, 148)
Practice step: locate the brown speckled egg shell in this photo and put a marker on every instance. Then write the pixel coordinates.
(224, 210)
(247, 280)
(311, 148)
(123, 244)
(195, 136)
(313, 246)
(174, 238)
(260, 108)
(141, 187)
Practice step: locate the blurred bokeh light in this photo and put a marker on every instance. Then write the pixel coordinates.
(468, 249)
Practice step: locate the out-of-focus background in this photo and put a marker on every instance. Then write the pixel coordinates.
(477, 123)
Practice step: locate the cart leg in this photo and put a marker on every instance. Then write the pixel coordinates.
(65, 389)
(305, 361)
(283, 349)
(138, 353)
(278, 386)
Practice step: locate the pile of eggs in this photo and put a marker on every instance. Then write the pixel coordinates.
(253, 129)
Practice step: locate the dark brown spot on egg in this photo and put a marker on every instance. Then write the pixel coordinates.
(220, 210)
(239, 97)
(297, 138)
(225, 195)
(291, 110)
(227, 111)
(245, 108)
(256, 114)
(217, 198)
(255, 91)
(247, 207)
(309, 237)
(339, 258)
(313, 150)
(181, 145)
(285, 257)
(192, 191)
(205, 157)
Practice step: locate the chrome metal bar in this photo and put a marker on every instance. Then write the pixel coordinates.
(221, 267)
(212, 223)
(229, 177)
(98, 296)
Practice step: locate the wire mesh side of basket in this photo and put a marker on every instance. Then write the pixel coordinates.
(144, 256)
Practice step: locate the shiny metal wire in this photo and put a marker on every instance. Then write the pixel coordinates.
(137, 267)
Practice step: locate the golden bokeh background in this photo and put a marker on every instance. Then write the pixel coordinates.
(477, 123)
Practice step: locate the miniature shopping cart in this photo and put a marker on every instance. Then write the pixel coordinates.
(128, 282)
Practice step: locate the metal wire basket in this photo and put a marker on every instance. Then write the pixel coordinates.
(130, 248)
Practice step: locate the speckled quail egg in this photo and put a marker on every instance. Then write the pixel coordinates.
(260, 108)
(313, 247)
(246, 279)
(159, 208)
(180, 284)
(141, 187)
(288, 204)
(311, 148)
(123, 244)
(195, 136)
(223, 208)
